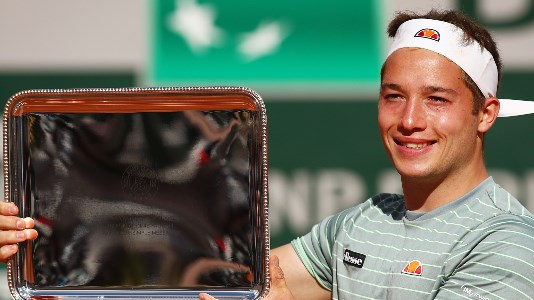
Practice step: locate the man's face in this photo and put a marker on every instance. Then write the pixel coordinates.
(425, 116)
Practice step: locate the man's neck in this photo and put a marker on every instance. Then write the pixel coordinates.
(424, 194)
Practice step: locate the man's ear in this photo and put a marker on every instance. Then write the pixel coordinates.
(488, 114)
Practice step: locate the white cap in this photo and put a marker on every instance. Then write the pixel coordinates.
(448, 40)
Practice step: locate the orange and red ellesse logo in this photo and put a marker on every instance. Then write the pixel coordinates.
(427, 33)
(413, 268)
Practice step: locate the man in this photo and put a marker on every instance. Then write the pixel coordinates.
(454, 233)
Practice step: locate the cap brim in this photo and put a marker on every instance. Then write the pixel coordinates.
(510, 108)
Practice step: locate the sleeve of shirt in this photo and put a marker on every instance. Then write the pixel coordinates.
(497, 264)
(315, 248)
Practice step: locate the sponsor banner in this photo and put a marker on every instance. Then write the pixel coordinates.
(279, 48)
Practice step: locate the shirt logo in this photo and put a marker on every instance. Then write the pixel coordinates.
(413, 268)
(428, 34)
(353, 258)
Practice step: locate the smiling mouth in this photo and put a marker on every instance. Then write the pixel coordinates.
(415, 145)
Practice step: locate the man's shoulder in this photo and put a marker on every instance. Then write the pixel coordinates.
(501, 212)
(510, 228)
(509, 222)
(507, 204)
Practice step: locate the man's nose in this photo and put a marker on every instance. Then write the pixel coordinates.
(414, 116)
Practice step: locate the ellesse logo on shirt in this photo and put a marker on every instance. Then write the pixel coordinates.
(353, 258)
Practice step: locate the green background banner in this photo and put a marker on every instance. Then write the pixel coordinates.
(317, 45)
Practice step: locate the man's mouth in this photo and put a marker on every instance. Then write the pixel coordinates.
(414, 145)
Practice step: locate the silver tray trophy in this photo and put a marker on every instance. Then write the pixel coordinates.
(139, 193)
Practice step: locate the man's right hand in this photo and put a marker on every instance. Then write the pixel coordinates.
(13, 230)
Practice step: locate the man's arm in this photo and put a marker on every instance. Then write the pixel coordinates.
(299, 281)
(303, 282)
(13, 230)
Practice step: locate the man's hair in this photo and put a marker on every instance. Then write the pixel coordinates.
(472, 32)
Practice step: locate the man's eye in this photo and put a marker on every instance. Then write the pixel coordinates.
(438, 99)
(392, 96)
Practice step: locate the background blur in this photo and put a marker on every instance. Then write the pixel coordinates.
(316, 66)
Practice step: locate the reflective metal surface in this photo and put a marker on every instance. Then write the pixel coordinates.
(160, 199)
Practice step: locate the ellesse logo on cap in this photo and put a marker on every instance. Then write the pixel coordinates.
(427, 33)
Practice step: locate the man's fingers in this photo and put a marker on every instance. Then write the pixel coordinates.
(9, 219)
(204, 296)
(15, 223)
(7, 251)
(13, 230)
(12, 223)
(31, 234)
(8, 208)
(9, 240)
(30, 223)
(16, 236)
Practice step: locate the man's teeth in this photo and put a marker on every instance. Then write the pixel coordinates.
(416, 146)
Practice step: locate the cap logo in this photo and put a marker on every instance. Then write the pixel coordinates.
(413, 268)
(427, 33)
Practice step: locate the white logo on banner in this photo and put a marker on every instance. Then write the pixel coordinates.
(195, 23)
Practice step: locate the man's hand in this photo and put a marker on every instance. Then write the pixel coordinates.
(278, 291)
(13, 230)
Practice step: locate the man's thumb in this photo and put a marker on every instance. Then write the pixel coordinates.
(277, 274)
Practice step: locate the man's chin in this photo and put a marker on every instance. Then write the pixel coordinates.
(414, 174)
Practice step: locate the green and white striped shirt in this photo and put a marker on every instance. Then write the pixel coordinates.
(480, 246)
